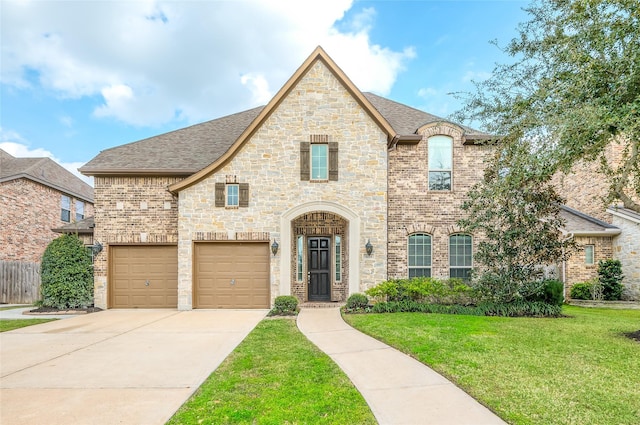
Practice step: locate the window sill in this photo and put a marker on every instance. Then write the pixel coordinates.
(231, 207)
(319, 181)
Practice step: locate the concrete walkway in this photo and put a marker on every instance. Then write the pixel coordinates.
(398, 388)
(115, 366)
(19, 313)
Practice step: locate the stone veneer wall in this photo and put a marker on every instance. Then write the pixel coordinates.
(575, 269)
(131, 210)
(29, 211)
(415, 209)
(270, 163)
(626, 248)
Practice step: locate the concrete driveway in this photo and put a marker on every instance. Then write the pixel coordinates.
(115, 366)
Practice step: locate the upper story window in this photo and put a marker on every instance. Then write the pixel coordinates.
(232, 195)
(319, 159)
(65, 209)
(419, 255)
(589, 254)
(440, 162)
(460, 256)
(79, 210)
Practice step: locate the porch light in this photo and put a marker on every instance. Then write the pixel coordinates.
(369, 247)
(274, 247)
(96, 248)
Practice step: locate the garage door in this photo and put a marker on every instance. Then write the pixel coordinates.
(231, 275)
(143, 276)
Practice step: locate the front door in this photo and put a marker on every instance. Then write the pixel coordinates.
(319, 269)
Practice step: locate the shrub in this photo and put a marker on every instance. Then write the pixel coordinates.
(67, 274)
(551, 291)
(581, 291)
(512, 309)
(284, 305)
(357, 302)
(610, 276)
(424, 289)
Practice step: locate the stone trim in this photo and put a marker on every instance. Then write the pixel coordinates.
(419, 228)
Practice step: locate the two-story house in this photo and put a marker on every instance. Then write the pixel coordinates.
(323, 192)
(36, 196)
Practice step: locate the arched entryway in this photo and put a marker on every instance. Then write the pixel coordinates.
(320, 252)
(320, 249)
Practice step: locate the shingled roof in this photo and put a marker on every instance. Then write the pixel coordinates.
(579, 224)
(46, 172)
(188, 150)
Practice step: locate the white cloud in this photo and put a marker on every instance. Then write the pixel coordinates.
(148, 62)
(15, 145)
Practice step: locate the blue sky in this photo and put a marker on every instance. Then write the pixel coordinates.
(78, 77)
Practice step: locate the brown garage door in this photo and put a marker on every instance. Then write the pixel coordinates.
(143, 276)
(231, 275)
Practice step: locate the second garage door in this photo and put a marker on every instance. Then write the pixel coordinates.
(231, 275)
(143, 276)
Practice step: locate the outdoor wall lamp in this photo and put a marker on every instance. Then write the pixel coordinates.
(96, 248)
(274, 247)
(368, 247)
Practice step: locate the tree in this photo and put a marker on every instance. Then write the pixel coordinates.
(516, 211)
(67, 274)
(573, 90)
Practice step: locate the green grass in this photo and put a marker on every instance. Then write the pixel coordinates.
(571, 370)
(276, 376)
(11, 324)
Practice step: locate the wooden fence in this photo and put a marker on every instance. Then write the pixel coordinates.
(19, 282)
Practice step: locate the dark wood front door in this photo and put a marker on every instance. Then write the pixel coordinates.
(319, 269)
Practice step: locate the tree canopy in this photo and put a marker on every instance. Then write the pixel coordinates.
(572, 90)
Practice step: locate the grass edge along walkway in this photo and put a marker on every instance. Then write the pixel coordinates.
(572, 370)
(11, 324)
(276, 376)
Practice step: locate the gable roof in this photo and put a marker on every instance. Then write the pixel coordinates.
(198, 150)
(580, 224)
(81, 227)
(625, 213)
(46, 172)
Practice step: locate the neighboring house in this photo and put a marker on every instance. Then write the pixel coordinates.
(36, 195)
(324, 192)
(584, 189)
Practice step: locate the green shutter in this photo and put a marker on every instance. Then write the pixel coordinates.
(244, 195)
(219, 195)
(333, 161)
(305, 172)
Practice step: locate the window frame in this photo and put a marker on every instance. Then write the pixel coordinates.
(430, 170)
(326, 162)
(337, 260)
(463, 267)
(300, 258)
(423, 268)
(230, 196)
(80, 206)
(592, 248)
(64, 210)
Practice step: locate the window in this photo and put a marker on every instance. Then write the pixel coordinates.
(79, 210)
(65, 209)
(233, 195)
(338, 262)
(419, 255)
(319, 159)
(300, 252)
(319, 162)
(460, 256)
(440, 162)
(589, 254)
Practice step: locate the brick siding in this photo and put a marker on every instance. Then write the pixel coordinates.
(29, 211)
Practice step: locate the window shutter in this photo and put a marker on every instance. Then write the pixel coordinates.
(244, 195)
(219, 195)
(305, 172)
(333, 161)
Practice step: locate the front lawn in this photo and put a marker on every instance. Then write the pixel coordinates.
(573, 370)
(11, 324)
(276, 376)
